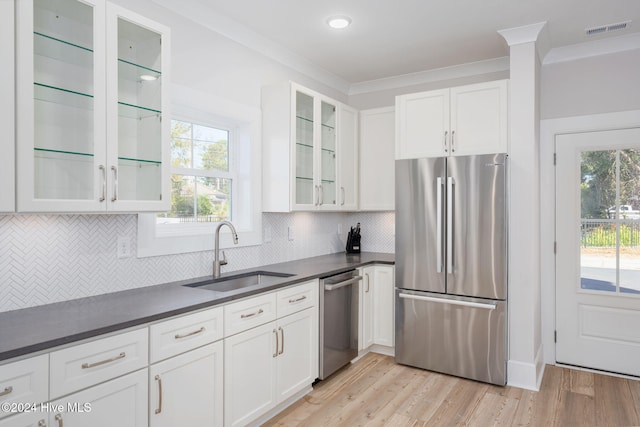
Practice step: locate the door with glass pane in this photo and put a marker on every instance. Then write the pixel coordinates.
(61, 104)
(598, 250)
(305, 187)
(137, 135)
(327, 157)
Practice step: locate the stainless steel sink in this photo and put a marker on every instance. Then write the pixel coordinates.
(246, 280)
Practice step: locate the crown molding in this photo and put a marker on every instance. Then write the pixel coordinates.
(428, 76)
(533, 33)
(204, 15)
(593, 48)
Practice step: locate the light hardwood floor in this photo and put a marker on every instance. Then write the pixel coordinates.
(377, 392)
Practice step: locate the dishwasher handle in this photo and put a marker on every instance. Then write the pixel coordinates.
(338, 285)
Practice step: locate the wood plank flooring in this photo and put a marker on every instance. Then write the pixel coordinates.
(375, 391)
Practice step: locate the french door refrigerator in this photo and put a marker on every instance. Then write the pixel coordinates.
(451, 265)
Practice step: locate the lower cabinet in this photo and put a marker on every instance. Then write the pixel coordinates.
(376, 307)
(268, 364)
(186, 390)
(120, 402)
(26, 419)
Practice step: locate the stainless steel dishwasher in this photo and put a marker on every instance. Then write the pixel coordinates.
(338, 321)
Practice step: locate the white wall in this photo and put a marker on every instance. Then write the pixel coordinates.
(594, 85)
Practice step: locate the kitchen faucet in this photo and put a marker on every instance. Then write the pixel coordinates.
(216, 254)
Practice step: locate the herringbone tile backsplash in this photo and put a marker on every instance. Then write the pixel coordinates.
(45, 259)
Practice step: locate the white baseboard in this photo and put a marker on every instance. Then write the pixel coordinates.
(281, 407)
(524, 374)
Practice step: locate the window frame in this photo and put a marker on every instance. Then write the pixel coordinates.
(244, 124)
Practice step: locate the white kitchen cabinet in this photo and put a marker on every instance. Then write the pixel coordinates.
(24, 381)
(383, 303)
(26, 419)
(376, 307)
(7, 107)
(377, 160)
(186, 390)
(365, 324)
(92, 82)
(301, 150)
(348, 154)
(270, 363)
(83, 365)
(120, 402)
(459, 121)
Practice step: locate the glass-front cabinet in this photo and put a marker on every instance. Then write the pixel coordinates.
(314, 157)
(90, 79)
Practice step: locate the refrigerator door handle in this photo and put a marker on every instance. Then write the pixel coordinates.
(449, 301)
(439, 236)
(450, 206)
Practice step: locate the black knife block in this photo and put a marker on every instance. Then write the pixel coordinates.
(353, 243)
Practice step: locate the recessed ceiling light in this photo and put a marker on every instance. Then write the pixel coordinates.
(339, 22)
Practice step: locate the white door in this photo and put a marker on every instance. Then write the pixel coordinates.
(297, 359)
(598, 250)
(187, 389)
(249, 374)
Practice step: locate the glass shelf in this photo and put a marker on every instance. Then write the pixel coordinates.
(304, 145)
(328, 127)
(137, 112)
(328, 181)
(70, 153)
(146, 161)
(304, 178)
(305, 119)
(131, 71)
(58, 95)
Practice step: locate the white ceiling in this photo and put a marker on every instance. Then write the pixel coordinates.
(391, 38)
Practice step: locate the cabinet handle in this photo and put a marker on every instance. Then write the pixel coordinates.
(366, 275)
(321, 195)
(275, 354)
(59, 420)
(317, 197)
(255, 313)
(102, 362)
(282, 340)
(42, 423)
(115, 183)
(104, 183)
(445, 141)
(159, 409)
(7, 390)
(178, 336)
(453, 141)
(302, 298)
(342, 191)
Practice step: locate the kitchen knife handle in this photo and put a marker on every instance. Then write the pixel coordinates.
(439, 237)
(450, 215)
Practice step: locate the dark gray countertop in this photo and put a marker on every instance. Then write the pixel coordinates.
(43, 327)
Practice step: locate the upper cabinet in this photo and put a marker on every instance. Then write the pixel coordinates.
(459, 121)
(7, 107)
(304, 136)
(348, 155)
(91, 84)
(377, 164)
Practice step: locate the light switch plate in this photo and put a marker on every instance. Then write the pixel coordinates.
(291, 232)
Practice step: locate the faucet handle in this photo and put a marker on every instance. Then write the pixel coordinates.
(223, 261)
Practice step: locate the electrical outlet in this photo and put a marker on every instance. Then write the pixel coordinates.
(291, 232)
(124, 247)
(267, 234)
(340, 229)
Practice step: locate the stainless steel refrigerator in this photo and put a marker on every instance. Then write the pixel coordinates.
(451, 265)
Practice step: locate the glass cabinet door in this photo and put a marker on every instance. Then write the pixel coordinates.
(328, 164)
(137, 135)
(62, 141)
(305, 188)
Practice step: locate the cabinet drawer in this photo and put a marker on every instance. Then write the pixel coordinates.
(297, 298)
(185, 333)
(242, 315)
(25, 381)
(87, 364)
